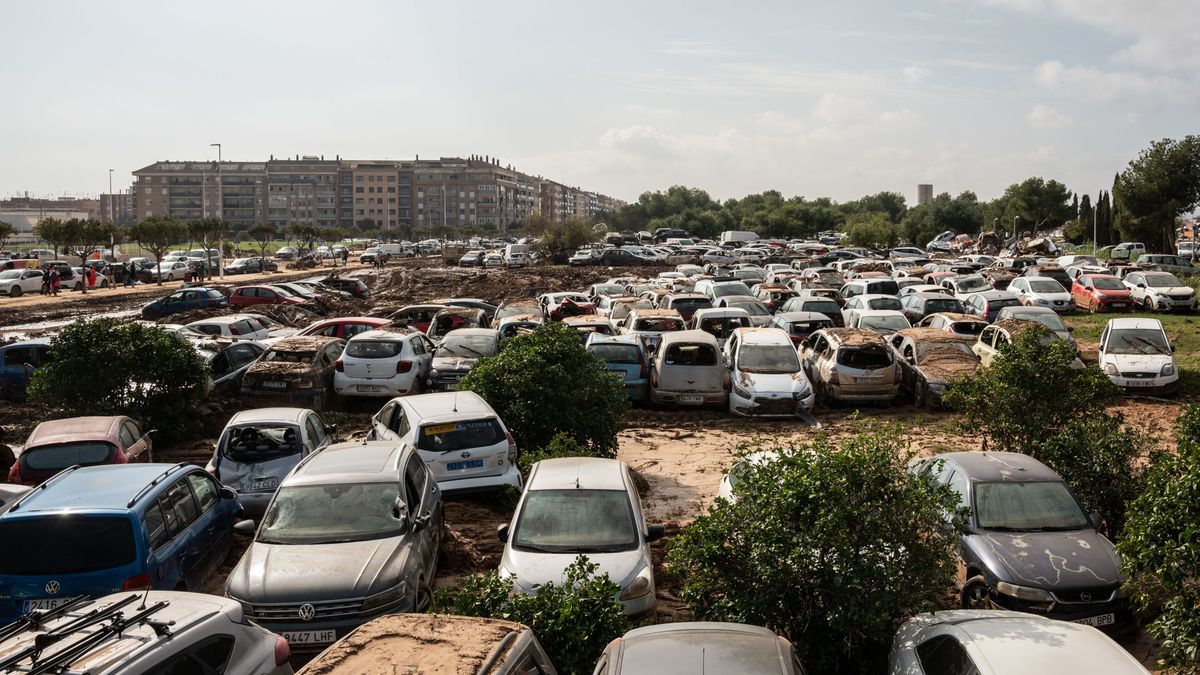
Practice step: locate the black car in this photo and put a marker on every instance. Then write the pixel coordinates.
(1028, 545)
(250, 266)
(616, 257)
(352, 286)
(917, 306)
(1056, 273)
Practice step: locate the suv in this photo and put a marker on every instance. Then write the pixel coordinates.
(987, 305)
(79, 441)
(460, 437)
(386, 362)
(869, 287)
(372, 508)
(920, 304)
(850, 364)
(96, 530)
(1158, 291)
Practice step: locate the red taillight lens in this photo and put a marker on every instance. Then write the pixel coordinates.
(645, 370)
(136, 583)
(403, 366)
(728, 383)
(283, 651)
(339, 366)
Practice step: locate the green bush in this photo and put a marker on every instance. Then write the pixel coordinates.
(831, 546)
(1160, 550)
(545, 383)
(574, 620)
(108, 367)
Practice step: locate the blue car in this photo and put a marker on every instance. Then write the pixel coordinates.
(623, 357)
(98, 530)
(17, 363)
(183, 300)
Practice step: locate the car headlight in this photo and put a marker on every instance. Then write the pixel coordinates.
(1111, 369)
(1023, 592)
(386, 599)
(741, 392)
(1168, 369)
(640, 585)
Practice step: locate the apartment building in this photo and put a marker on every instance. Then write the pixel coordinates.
(116, 208)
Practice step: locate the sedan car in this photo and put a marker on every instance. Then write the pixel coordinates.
(765, 374)
(246, 296)
(929, 360)
(296, 370)
(581, 506)
(17, 282)
(167, 271)
(184, 300)
(250, 266)
(1136, 355)
(79, 441)
(1160, 291)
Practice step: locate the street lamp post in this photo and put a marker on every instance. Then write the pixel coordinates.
(220, 215)
(111, 216)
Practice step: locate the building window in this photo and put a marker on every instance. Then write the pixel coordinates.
(358, 179)
(391, 179)
(358, 190)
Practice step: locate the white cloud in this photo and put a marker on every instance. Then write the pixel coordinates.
(916, 73)
(694, 48)
(1108, 85)
(1043, 116)
(638, 109)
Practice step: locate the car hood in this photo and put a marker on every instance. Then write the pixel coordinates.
(1139, 362)
(535, 569)
(767, 383)
(1051, 560)
(1171, 290)
(940, 368)
(1052, 297)
(453, 364)
(271, 573)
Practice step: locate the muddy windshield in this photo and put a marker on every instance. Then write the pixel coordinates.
(754, 308)
(1156, 281)
(768, 359)
(942, 349)
(330, 514)
(884, 324)
(1038, 285)
(468, 346)
(576, 521)
(1050, 320)
(279, 356)
(1137, 341)
(251, 443)
(658, 325)
(1027, 507)
(972, 284)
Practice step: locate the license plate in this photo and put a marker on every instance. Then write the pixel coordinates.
(1102, 620)
(1139, 383)
(370, 387)
(271, 384)
(1118, 305)
(691, 398)
(264, 484)
(867, 380)
(619, 374)
(309, 637)
(42, 603)
(458, 466)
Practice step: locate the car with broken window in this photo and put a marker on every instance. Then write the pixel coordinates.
(517, 324)
(766, 379)
(227, 360)
(454, 318)
(258, 447)
(55, 445)
(344, 327)
(930, 359)
(295, 371)
(649, 325)
(1043, 315)
(1136, 355)
(687, 370)
(1028, 545)
(587, 324)
(684, 303)
(850, 364)
(556, 306)
(799, 325)
(418, 317)
(389, 361)
(965, 284)
(773, 295)
(458, 352)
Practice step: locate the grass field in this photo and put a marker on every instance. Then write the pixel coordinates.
(1182, 329)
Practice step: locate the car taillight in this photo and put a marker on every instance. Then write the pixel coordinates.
(403, 366)
(283, 651)
(135, 583)
(512, 447)
(14, 474)
(833, 376)
(339, 366)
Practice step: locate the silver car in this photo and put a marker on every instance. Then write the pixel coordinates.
(581, 506)
(714, 648)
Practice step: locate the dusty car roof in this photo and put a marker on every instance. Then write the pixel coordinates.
(363, 462)
(466, 332)
(763, 336)
(1015, 325)
(928, 335)
(856, 337)
(74, 429)
(686, 336)
(657, 313)
(584, 473)
(802, 316)
(585, 319)
(696, 647)
(268, 415)
(303, 343)
(1000, 466)
(396, 333)
(1125, 324)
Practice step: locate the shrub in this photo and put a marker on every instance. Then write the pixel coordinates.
(574, 620)
(108, 367)
(1160, 550)
(831, 546)
(545, 383)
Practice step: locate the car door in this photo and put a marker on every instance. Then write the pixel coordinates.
(386, 423)
(213, 526)
(983, 346)
(422, 356)
(315, 436)
(137, 446)
(1018, 288)
(425, 526)
(31, 281)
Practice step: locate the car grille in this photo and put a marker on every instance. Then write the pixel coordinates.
(776, 406)
(448, 381)
(1138, 376)
(330, 609)
(1181, 297)
(1082, 595)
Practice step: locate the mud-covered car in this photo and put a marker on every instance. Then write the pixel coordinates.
(587, 324)
(687, 370)
(930, 359)
(766, 377)
(850, 364)
(557, 306)
(228, 361)
(416, 316)
(963, 325)
(518, 324)
(649, 326)
(55, 445)
(455, 318)
(296, 371)
(457, 353)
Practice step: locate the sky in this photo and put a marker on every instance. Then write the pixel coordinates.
(836, 99)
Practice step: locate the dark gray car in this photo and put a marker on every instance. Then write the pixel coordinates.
(457, 352)
(351, 534)
(700, 647)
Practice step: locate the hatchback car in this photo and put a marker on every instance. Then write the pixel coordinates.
(765, 374)
(964, 285)
(623, 357)
(241, 327)
(458, 352)
(929, 360)
(850, 364)
(1042, 292)
(389, 361)
(994, 338)
(1102, 293)
(247, 296)
(920, 304)
(1043, 315)
(1136, 355)
(650, 325)
(1160, 291)
(344, 327)
(706, 647)
(96, 530)
(352, 285)
(296, 370)
(815, 303)
(18, 361)
(17, 282)
(79, 441)
(863, 302)
(249, 266)
(459, 436)
(882, 321)
(988, 304)
(799, 325)
(687, 370)
(581, 506)
(168, 271)
(1172, 264)
(259, 447)
(185, 300)
(1028, 545)
(368, 507)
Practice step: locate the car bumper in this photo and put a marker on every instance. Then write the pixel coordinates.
(512, 476)
(340, 627)
(691, 398)
(1162, 384)
(883, 393)
(761, 406)
(1115, 306)
(1119, 608)
(306, 397)
(639, 606)
(635, 390)
(1176, 305)
(390, 387)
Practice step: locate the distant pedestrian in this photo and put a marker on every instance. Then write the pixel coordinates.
(129, 271)
(109, 279)
(55, 281)
(91, 277)
(345, 255)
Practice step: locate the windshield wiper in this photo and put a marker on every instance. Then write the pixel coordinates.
(534, 548)
(601, 549)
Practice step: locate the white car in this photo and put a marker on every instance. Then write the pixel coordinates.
(15, 283)
(867, 301)
(739, 469)
(1042, 292)
(388, 362)
(168, 270)
(924, 288)
(581, 506)
(997, 642)
(459, 436)
(963, 286)
(516, 259)
(883, 321)
(765, 374)
(1158, 291)
(240, 327)
(1136, 354)
(493, 261)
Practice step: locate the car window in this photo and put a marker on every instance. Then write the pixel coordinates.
(128, 435)
(181, 504)
(959, 483)
(316, 431)
(209, 657)
(943, 655)
(206, 491)
(414, 483)
(156, 526)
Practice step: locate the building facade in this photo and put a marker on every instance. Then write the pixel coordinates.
(924, 193)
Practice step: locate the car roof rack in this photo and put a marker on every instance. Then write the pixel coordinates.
(115, 628)
(150, 486)
(42, 486)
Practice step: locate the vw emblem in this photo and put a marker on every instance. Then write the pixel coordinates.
(52, 587)
(465, 454)
(307, 612)
(1085, 596)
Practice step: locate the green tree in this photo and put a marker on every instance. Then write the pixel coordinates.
(91, 236)
(832, 546)
(1163, 182)
(263, 234)
(148, 374)
(891, 203)
(872, 230)
(559, 240)
(1160, 549)
(1037, 204)
(7, 230)
(545, 383)
(158, 234)
(305, 234)
(53, 231)
(209, 231)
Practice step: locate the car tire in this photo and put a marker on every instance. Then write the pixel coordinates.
(424, 596)
(974, 594)
(15, 292)
(79, 286)
(921, 394)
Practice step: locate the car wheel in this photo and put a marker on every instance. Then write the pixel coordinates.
(975, 594)
(1153, 305)
(424, 595)
(170, 277)
(15, 292)
(79, 286)
(921, 394)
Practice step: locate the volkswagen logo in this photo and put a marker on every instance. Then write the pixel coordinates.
(465, 454)
(52, 587)
(307, 612)
(1085, 596)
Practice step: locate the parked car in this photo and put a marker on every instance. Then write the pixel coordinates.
(684, 303)
(584, 256)
(418, 317)
(1101, 292)
(1127, 250)
(472, 259)
(715, 290)
(184, 300)
(96, 530)
(705, 647)
(370, 507)
(757, 311)
(964, 285)
(581, 505)
(882, 321)
(1052, 271)
(865, 301)
(493, 260)
(987, 305)
(1159, 291)
(457, 353)
(455, 318)
(855, 287)
(959, 324)
(997, 642)
(687, 370)
(1171, 264)
(1137, 355)
(250, 266)
(246, 296)
(79, 441)
(920, 304)
(1043, 315)
(929, 360)
(167, 271)
(388, 361)
(241, 327)
(650, 325)
(850, 364)
(799, 325)
(18, 361)
(1042, 292)
(815, 303)
(765, 374)
(296, 371)
(258, 447)
(1002, 333)
(123, 634)
(228, 361)
(720, 322)
(344, 327)
(286, 253)
(16, 282)
(1028, 545)
(623, 357)
(352, 285)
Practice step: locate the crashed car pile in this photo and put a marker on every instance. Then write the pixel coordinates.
(346, 534)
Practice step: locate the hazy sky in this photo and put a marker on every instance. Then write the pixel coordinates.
(814, 98)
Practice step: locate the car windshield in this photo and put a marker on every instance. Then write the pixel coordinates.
(883, 303)
(826, 307)
(462, 435)
(469, 346)
(1161, 281)
(1048, 319)
(940, 305)
(734, 288)
(1137, 341)
(1026, 507)
(1110, 284)
(752, 307)
(884, 324)
(942, 348)
(967, 327)
(690, 304)
(57, 457)
(374, 349)
(261, 442)
(281, 356)
(576, 521)
(66, 544)
(768, 359)
(617, 353)
(658, 325)
(1038, 285)
(971, 284)
(330, 514)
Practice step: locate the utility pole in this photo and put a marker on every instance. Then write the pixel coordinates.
(220, 215)
(111, 216)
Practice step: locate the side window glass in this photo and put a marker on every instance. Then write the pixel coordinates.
(156, 526)
(944, 656)
(128, 437)
(958, 482)
(210, 656)
(169, 516)
(180, 499)
(417, 346)
(206, 491)
(316, 431)
(414, 483)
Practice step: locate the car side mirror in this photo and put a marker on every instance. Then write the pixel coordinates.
(400, 510)
(502, 533)
(1172, 349)
(331, 430)
(244, 528)
(1096, 521)
(228, 492)
(655, 532)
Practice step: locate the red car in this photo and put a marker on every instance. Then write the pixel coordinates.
(263, 295)
(1101, 293)
(85, 441)
(345, 327)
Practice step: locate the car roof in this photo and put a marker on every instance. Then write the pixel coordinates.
(397, 333)
(26, 343)
(584, 473)
(268, 415)
(1025, 310)
(996, 295)
(447, 405)
(1000, 466)
(763, 336)
(467, 332)
(698, 646)
(74, 429)
(304, 343)
(801, 316)
(1135, 323)
(357, 462)
(931, 295)
(672, 337)
(107, 486)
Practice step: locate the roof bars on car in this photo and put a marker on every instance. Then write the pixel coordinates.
(42, 641)
(157, 479)
(36, 618)
(114, 629)
(42, 486)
